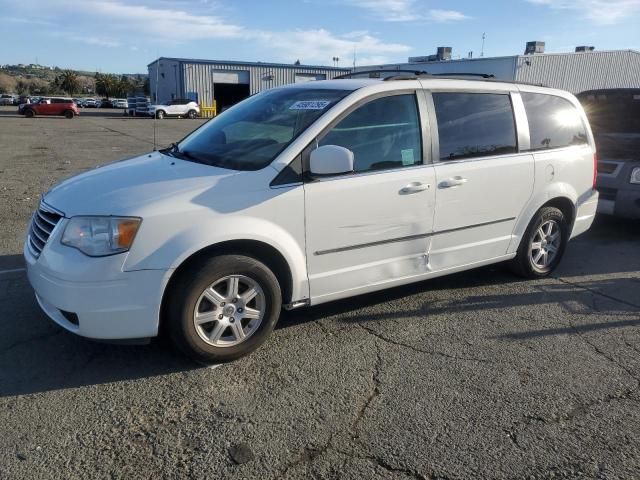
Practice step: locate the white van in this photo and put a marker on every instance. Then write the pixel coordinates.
(310, 193)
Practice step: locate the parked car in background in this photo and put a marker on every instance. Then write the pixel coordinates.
(120, 103)
(6, 99)
(24, 99)
(52, 106)
(79, 102)
(90, 103)
(614, 115)
(105, 103)
(309, 193)
(28, 101)
(181, 107)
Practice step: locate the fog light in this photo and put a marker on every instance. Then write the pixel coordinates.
(635, 175)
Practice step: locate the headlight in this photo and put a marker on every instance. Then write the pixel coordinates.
(100, 236)
(635, 175)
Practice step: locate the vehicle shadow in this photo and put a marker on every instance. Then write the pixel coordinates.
(37, 356)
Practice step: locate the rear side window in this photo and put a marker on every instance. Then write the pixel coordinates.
(382, 134)
(554, 122)
(474, 125)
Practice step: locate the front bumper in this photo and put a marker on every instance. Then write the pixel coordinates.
(108, 303)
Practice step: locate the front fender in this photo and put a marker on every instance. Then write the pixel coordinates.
(173, 251)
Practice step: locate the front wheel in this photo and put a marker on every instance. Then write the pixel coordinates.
(29, 113)
(69, 114)
(542, 245)
(160, 114)
(223, 308)
(191, 114)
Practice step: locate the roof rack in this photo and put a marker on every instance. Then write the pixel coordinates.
(415, 74)
(373, 72)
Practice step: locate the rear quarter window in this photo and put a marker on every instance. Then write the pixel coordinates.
(554, 122)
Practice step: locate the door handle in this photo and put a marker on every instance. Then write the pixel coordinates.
(414, 187)
(453, 182)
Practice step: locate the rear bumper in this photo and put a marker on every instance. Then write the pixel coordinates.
(585, 214)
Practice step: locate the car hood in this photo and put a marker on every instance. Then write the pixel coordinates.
(130, 187)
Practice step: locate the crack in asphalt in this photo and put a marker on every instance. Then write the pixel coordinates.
(596, 292)
(583, 409)
(420, 350)
(33, 338)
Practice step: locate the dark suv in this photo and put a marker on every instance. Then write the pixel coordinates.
(52, 106)
(614, 115)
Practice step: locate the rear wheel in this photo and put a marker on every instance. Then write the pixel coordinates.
(69, 114)
(223, 308)
(191, 114)
(160, 114)
(29, 113)
(542, 245)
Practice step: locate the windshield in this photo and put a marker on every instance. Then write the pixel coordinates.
(252, 134)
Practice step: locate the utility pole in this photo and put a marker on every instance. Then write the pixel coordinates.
(482, 51)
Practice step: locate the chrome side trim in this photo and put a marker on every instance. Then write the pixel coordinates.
(409, 237)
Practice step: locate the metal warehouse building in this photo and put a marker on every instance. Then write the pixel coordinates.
(584, 69)
(224, 82)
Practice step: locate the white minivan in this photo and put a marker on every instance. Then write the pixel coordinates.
(310, 193)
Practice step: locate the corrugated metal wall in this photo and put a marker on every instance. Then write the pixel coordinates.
(197, 77)
(583, 71)
(502, 67)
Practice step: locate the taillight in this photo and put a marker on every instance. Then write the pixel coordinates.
(595, 169)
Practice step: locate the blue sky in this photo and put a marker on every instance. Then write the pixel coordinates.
(125, 35)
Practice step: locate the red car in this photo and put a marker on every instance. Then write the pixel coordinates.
(52, 106)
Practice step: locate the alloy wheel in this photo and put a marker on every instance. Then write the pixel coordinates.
(545, 244)
(229, 311)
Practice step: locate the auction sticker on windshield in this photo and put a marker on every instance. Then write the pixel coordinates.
(309, 105)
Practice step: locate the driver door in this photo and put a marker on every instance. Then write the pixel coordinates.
(372, 226)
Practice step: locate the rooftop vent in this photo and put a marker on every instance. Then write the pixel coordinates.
(534, 47)
(443, 53)
(584, 48)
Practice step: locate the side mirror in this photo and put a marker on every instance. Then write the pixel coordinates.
(331, 160)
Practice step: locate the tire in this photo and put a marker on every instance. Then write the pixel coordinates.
(29, 113)
(69, 114)
(547, 228)
(160, 114)
(191, 114)
(207, 288)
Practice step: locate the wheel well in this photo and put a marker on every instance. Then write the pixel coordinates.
(263, 252)
(566, 206)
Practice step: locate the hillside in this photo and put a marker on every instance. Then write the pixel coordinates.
(42, 80)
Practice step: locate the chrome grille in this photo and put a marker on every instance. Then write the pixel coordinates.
(43, 222)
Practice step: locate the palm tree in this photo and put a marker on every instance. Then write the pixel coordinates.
(69, 82)
(106, 84)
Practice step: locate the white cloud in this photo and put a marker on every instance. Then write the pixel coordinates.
(390, 10)
(89, 40)
(406, 11)
(444, 16)
(598, 11)
(159, 25)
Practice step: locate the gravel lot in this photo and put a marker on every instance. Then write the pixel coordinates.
(476, 375)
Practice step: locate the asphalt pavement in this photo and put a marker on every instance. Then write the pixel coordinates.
(474, 375)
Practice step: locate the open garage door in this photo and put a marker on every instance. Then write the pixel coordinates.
(230, 87)
(228, 94)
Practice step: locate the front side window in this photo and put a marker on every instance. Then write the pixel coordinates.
(382, 134)
(474, 125)
(250, 135)
(554, 122)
